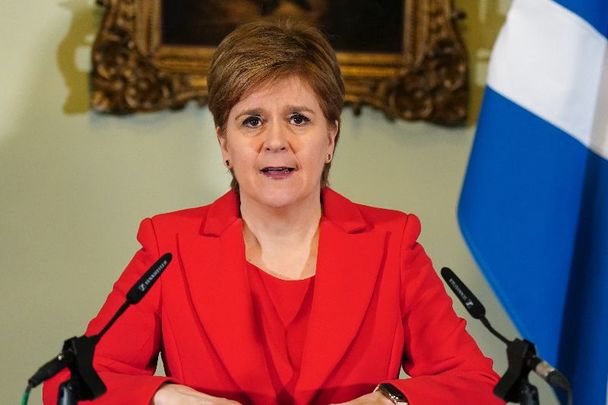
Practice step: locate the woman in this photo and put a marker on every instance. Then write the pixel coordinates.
(282, 290)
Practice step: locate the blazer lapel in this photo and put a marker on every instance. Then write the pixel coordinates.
(214, 266)
(348, 262)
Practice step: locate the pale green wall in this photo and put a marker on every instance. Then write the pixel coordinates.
(74, 185)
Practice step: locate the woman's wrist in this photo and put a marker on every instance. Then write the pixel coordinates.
(381, 399)
(159, 395)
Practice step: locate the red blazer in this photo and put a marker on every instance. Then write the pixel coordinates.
(378, 305)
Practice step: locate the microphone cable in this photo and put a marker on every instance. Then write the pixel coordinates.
(26, 395)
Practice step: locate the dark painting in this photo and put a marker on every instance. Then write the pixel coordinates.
(405, 57)
(364, 26)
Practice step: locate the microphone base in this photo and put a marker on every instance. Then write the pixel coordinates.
(84, 382)
(528, 394)
(514, 385)
(68, 394)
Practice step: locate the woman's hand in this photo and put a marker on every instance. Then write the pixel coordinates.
(374, 398)
(175, 394)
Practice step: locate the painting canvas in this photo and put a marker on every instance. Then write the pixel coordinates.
(351, 25)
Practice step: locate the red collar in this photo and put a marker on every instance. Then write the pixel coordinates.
(336, 208)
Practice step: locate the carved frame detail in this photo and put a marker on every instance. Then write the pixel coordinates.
(134, 72)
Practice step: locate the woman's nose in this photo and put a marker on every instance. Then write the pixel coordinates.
(276, 139)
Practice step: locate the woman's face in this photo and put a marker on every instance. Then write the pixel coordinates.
(277, 141)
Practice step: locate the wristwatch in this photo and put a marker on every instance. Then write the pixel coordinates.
(392, 393)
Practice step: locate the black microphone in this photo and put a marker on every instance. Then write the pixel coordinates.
(470, 302)
(476, 309)
(139, 289)
(135, 294)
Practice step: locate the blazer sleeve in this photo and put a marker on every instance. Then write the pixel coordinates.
(443, 361)
(125, 358)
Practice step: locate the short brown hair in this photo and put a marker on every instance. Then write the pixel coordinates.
(262, 51)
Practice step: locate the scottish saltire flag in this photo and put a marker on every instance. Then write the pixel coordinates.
(534, 205)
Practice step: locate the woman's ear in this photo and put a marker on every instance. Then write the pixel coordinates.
(221, 139)
(332, 134)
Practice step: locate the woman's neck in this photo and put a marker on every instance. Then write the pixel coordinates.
(282, 241)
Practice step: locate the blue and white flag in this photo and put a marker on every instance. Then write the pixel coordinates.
(534, 204)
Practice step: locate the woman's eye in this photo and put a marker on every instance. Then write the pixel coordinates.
(299, 119)
(252, 122)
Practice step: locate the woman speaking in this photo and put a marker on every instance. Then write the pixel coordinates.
(282, 290)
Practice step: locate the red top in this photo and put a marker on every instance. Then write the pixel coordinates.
(283, 307)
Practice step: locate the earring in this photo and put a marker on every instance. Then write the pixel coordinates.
(227, 163)
(328, 158)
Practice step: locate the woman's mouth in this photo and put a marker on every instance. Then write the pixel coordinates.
(277, 172)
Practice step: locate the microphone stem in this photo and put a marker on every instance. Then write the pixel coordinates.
(487, 324)
(118, 313)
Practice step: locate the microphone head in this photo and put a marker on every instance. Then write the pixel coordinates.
(470, 302)
(137, 292)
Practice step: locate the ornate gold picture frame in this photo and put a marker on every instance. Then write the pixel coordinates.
(140, 65)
